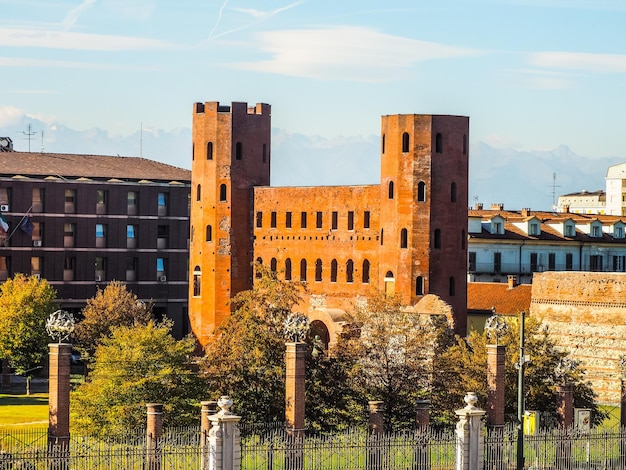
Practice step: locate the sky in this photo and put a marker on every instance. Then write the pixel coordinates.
(531, 74)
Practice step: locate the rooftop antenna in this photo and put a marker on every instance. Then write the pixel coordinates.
(41, 141)
(141, 139)
(29, 134)
(554, 186)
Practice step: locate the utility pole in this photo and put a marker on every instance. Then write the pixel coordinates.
(28, 135)
(520, 395)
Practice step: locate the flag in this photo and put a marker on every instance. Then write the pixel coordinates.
(4, 224)
(27, 226)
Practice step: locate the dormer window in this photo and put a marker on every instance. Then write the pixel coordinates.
(533, 229)
(595, 231)
(569, 230)
(618, 232)
(496, 228)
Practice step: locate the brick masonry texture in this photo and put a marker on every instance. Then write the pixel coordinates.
(406, 235)
(586, 314)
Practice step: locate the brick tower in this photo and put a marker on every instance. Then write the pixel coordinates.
(231, 154)
(423, 209)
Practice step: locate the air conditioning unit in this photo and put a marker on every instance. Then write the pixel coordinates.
(37, 276)
(163, 278)
(37, 243)
(4, 208)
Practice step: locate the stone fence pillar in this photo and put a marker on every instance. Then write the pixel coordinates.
(495, 384)
(295, 364)
(224, 438)
(470, 441)
(376, 423)
(422, 414)
(208, 408)
(565, 405)
(154, 432)
(59, 396)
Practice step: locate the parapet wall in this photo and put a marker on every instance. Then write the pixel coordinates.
(586, 314)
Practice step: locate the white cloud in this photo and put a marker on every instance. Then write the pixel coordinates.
(597, 63)
(350, 53)
(72, 16)
(20, 62)
(10, 115)
(16, 37)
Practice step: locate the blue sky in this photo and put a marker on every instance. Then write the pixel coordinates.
(531, 74)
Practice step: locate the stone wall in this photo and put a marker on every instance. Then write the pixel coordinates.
(586, 313)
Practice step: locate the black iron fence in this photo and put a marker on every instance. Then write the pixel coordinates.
(181, 448)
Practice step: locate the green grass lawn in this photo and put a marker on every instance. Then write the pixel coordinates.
(23, 411)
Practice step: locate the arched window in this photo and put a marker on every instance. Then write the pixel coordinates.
(333, 271)
(389, 275)
(209, 150)
(209, 233)
(437, 238)
(264, 153)
(303, 270)
(438, 143)
(273, 264)
(350, 271)
(198, 192)
(238, 151)
(464, 144)
(463, 240)
(366, 272)
(382, 235)
(419, 285)
(405, 142)
(382, 144)
(259, 261)
(259, 219)
(288, 269)
(404, 238)
(421, 191)
(193, 151)
(193, 229)
(391, 190)
(222, 192)
(452, 287)
(453, 192)
(197, 277)
(318, 270)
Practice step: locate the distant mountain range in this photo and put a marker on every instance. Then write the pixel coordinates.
(515, 178)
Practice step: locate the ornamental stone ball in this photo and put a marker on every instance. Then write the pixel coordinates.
(495, 327)
(60, 325)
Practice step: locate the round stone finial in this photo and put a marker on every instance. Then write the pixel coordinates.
(470, 399)
(60, 325)
(225, 403)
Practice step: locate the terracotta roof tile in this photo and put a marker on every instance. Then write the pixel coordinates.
(88, 166)
(483, 296)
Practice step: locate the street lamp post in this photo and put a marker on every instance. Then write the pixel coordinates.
(520, 395)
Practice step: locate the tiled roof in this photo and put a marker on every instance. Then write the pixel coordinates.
(483, 296)
(88, 166)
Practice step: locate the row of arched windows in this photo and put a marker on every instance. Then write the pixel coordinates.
(406, 143)
(421, 191)
(238, 151)
(302, 275)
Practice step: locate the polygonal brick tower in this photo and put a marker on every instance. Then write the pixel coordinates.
(231, 154)
(423, 209)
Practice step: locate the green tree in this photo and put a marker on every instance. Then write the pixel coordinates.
(463, 368)
(111, 307)
(25, 304)
(245, 356)
(133, 366)
(391, 353)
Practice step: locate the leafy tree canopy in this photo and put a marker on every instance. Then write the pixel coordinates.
(245, 356)
(25, 304)
(111, 307)
(133, 366)
(463, 368)
(391, 353)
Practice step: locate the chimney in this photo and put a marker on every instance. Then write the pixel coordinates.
(497, 206)
(526, 212)
(478, 206)
(566, 208)
(512, 280)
